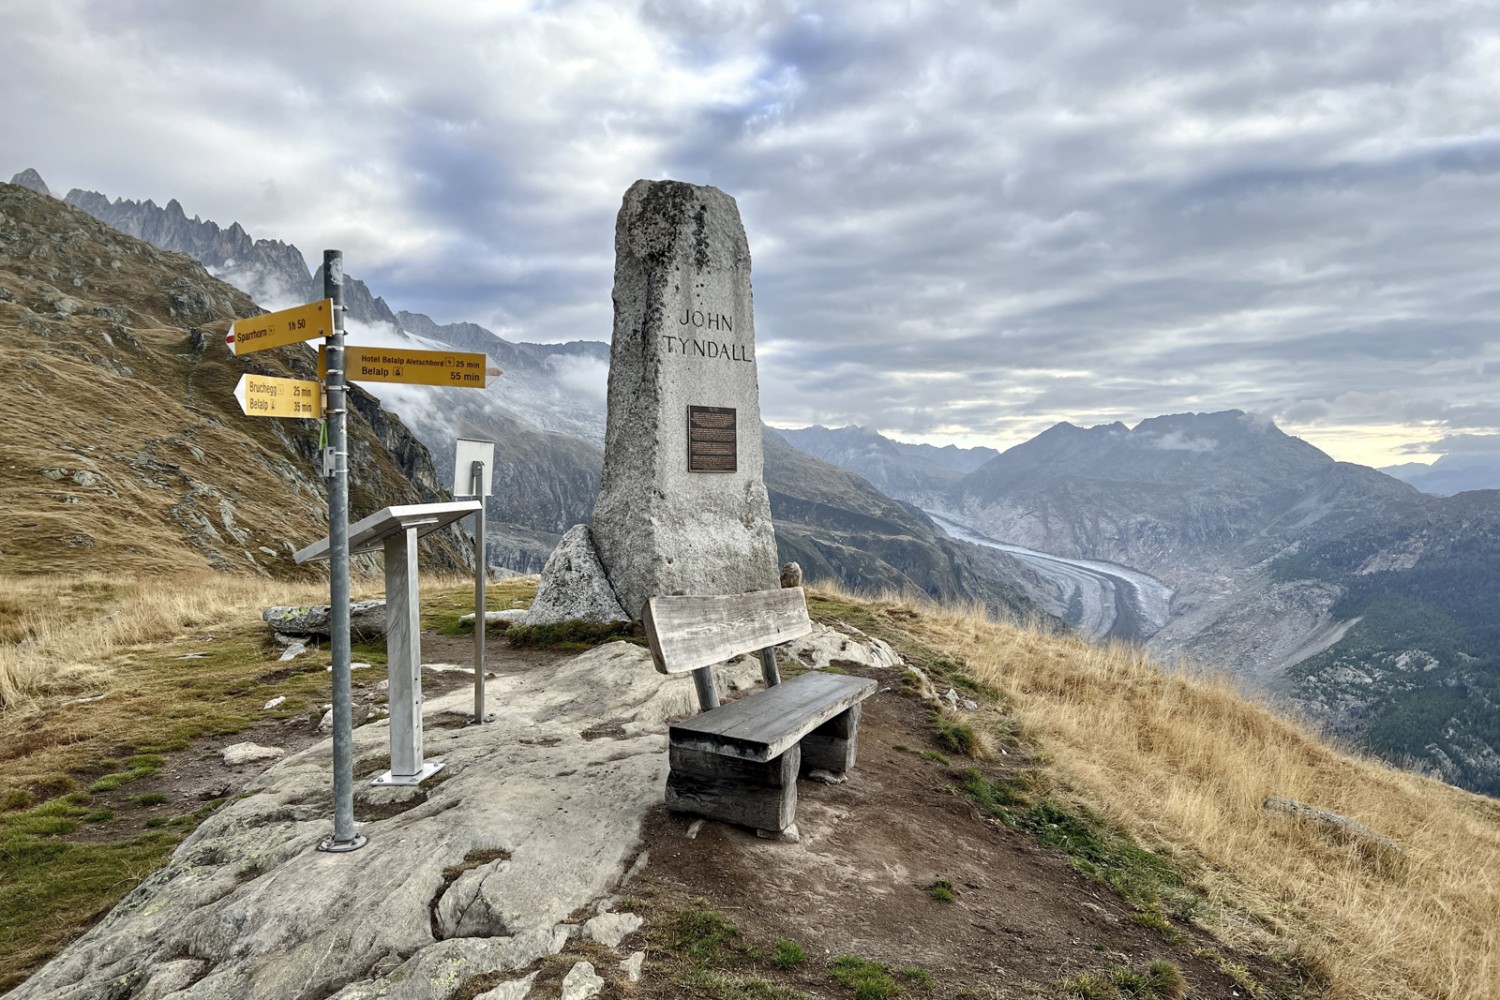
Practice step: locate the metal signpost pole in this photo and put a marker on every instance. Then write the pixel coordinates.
(476, 484)
(336, 468)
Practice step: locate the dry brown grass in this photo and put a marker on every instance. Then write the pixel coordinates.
(1187, 761)
(58, 634)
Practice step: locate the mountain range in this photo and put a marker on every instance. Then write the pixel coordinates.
(1214, 538)
(1353, 596)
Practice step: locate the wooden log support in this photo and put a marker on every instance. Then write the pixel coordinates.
(833, 745)
(751, 793)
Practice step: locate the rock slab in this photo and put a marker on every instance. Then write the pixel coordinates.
(538, 815)
(366, 619)
(684, 336)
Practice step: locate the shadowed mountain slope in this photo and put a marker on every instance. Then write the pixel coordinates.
(124, 446)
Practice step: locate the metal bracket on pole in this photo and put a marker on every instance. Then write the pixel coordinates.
(336, 469)
(481, 573)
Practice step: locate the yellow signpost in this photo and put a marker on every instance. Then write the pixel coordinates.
(278, 329)
(267, 396)
(398, 364)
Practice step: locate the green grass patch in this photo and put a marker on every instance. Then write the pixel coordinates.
(1096, 848)
(443, 609)
(917, 976)
(575, 636)
(54, 886)
(976, 689)
(704, 937)
(373, 653)
(959, 737)
(788, 954)
(49, 819)
(1161, 980)
(942, 890)
(869, 980)
(933, 755)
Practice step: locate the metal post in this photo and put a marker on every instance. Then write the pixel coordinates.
(476, 486)
(344, 838)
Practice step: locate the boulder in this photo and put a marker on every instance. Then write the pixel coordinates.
(827, 646)
(366, 620)
(1377, 848)
(250, 753)
(573, 585)
(609, 929)
(581, 982)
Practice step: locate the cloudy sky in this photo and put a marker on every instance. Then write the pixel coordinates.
(968, 220)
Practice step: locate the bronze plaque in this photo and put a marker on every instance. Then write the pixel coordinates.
(712, 445)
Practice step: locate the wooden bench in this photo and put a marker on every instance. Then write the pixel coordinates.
(739, 762)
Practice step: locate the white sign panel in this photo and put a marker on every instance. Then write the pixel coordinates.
(470, 452)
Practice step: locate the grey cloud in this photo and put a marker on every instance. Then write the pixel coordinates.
(978, 216)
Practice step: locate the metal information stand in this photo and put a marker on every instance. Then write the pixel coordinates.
(395, 531)
(473, 472)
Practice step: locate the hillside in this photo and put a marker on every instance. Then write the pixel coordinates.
(125, 449)
(1090, 828)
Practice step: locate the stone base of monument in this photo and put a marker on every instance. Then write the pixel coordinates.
(573, 585)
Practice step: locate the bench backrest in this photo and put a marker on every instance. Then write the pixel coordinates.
(686, 633)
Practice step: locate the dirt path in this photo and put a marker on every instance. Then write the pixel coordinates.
(859, 882)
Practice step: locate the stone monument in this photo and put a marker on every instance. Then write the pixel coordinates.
(682, 508)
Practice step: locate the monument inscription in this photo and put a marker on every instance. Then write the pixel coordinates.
(712, 442)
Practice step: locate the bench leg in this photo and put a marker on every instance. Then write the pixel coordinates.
(832, 746)
(731, 790)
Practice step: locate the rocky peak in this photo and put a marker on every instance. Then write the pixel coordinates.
(29, 178)
(195, 481)
(363, 305)
(269, 271)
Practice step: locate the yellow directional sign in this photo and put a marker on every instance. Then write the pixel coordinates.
(277, 329)
(266, 396)
(398, 364)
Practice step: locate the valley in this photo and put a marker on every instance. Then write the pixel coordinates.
(1098, 599)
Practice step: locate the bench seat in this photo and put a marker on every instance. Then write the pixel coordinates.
(766, 725)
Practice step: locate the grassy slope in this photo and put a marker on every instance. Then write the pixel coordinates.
(186, 660)
(1186, 763)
